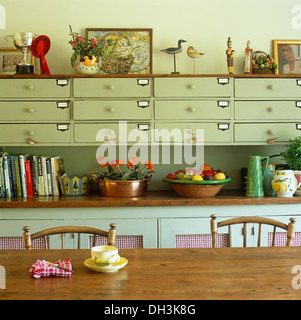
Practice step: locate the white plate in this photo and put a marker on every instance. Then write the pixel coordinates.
(106, 267)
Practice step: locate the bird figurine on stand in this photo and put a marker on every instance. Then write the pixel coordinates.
(192, 53)
(174, 51)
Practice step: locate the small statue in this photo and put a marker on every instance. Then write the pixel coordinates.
(248, 58)
(192, 53)
(174, 51)
(230, 56)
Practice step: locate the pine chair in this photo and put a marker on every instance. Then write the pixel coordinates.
(290, 228)
(28, 237)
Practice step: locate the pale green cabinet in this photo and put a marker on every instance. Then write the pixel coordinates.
(111, 87)
(193, 87)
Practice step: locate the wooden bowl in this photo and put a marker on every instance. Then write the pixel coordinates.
(197, 189)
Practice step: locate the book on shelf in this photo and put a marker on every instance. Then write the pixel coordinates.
(29, 175)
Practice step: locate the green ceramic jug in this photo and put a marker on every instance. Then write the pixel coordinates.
(255, 176)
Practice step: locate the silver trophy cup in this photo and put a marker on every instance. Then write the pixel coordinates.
(23, 42)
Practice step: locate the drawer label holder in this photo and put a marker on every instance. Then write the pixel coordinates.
(223, 104)
(223, 81)
(143, 82)
(62, 127)
(298, 126)
(62, 82)
(223, 126)
(62, 104)
(143, 104)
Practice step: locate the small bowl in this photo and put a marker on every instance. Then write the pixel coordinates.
(197, 189)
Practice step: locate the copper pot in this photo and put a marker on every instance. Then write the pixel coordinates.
(121, 189)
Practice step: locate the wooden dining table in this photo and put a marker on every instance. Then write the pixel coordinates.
(159, 274)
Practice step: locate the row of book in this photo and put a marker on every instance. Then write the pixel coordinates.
(30, 175)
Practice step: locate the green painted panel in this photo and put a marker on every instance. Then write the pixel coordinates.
(193, 87)
(111, 132)
(34, 88)
(260, 132)
(112, 87)
(42, 133)
(111, 109)
(34, 111)
(192, 109)
(174, 131)
(267, 88)
(267, 110)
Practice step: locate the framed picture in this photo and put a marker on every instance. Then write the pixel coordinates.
(287, 54)
(9, 58)
(124, 50)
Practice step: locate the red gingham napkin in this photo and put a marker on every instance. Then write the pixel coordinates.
(41, 269)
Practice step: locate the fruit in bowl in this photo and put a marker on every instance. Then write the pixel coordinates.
(199, 184)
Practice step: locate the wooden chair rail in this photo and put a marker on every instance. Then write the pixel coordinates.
(290, 228)
(28, 237)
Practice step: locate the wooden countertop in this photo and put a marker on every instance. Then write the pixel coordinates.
(152, 199)
(57, 76)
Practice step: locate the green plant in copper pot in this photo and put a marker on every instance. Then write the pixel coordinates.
(292, 156)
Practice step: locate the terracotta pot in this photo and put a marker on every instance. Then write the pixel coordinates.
(122, 189)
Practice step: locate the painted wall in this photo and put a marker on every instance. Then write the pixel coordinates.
(205, 25)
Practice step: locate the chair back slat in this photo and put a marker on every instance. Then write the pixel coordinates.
(28, 237)
(290, 228)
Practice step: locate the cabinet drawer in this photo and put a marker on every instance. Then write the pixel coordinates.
(112, 132)
(42, 133)
(34, 110)
(260, 132)
(269, 88)
(174, 131)
(98, 110)
(267, 110)
(192, 109)
(34, 88)
(112, 87)
(193, 87)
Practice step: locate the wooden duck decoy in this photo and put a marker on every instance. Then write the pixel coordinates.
(192, 53)
(174, 51)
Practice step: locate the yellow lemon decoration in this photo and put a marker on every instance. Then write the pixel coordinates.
(197, 177)
(276, 186)
(283, 187)
(219, 176)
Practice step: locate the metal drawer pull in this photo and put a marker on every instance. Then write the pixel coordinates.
(298, 82)
(223, 126)
(30, 133)
(223, 81)
(223, 104)
(111, 109)
(298, 126)
(191, 109)
(298, 104)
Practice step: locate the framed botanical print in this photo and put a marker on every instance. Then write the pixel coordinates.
(125, 51)
(9, 58)
(287, 54)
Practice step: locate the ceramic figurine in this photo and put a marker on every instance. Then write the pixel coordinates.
(230, 56)
(192, 53)
(248, 58)
(174, 51)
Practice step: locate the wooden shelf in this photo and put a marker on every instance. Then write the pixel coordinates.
(152, 199)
